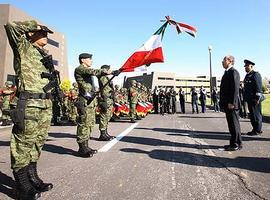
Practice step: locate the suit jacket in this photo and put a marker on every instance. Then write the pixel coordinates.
(229, 89)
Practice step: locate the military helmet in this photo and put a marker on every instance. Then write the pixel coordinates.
(8, 83)
(133, 82)
(117, 86)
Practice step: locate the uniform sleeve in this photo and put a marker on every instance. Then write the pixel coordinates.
(95, 72)
(258, 84)
(16, 30)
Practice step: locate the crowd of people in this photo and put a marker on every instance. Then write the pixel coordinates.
(37, 99)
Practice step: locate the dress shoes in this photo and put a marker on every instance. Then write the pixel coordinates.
(232, 148)
(252, 133)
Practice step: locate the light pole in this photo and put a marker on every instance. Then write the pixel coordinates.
(210, 62)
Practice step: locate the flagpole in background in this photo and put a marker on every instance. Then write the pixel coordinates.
(210, 65)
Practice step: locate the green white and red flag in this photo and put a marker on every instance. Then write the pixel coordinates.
(151, 51)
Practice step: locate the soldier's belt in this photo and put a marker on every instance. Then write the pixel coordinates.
(28, 95)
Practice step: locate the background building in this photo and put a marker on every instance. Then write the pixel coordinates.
(171, 80)
(57, 45)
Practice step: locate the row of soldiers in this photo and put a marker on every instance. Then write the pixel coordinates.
(165, 101)
(67, 110)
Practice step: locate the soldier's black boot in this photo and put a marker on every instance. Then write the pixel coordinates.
(132, 121)
(24, 188)
(36, 181)
(93, 151)
(84, 151)
(103, 136)
(108, 135)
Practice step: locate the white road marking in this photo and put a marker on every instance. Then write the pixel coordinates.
(110, 144)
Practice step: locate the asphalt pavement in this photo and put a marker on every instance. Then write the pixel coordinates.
(160, 157)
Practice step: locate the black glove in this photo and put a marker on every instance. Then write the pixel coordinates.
(116, 72)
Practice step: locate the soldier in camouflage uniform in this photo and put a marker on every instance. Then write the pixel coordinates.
(133, 100)
(7, 94)
(87, 102)
(105, 104)
(72, 108)
(33, 113)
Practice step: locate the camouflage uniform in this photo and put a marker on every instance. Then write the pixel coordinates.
(86, 106)
(133, 100)
(33, 114)
(7, 94)
(105, 105)
(71, 106)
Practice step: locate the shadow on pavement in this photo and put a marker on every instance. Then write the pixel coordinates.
(61, 135)
(201, 117)
(204, 134)
(248, 163)
(58, 149)
(6, 185)
(4, 143)
(158, 142)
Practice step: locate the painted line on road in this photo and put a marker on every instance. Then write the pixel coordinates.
(110, 144)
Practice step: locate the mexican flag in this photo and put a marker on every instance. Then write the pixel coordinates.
(149, 52)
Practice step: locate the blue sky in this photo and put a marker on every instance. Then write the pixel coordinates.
(113, 30)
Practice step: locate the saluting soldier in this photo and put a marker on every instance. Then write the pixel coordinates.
(253, 96)
(133, 100)
(87, 102)
(105, 103)
(33, 113)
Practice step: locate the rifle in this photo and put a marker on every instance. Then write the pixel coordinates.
(53, 76)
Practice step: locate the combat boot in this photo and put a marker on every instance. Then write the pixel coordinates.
(132, 121)
(94, 151)
(36, 181)
(103, 136)
(108, 135)
(84, 151)
(24, 188)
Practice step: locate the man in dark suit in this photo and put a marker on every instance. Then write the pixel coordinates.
(182, 100)
(229, 102)
(253, 96)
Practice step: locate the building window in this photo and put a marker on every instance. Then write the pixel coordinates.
(54, 43)
(164, 78)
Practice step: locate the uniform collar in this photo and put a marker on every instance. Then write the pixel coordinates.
(252, 70)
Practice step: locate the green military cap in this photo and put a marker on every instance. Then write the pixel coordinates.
(39, 27)
(45, 29)
(7, 83)
(105, 67)
(133, 81)
(85, 55)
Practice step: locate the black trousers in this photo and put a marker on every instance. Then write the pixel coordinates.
(255, 112)
(232, 117)
(203, 105)
(182, 106)
(194, 106)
